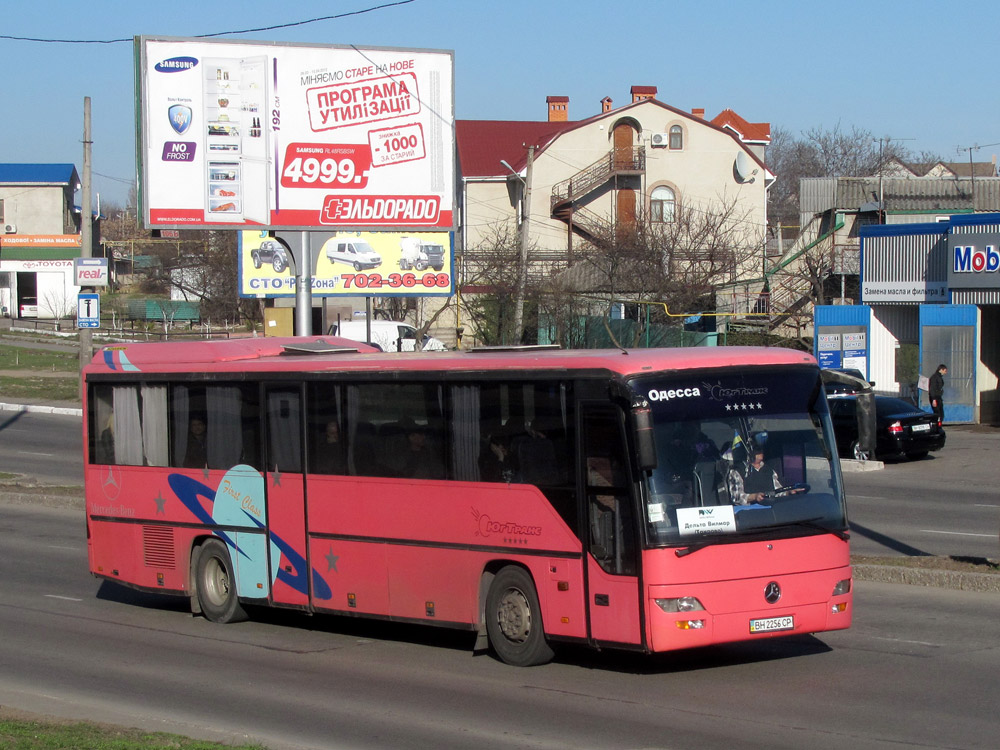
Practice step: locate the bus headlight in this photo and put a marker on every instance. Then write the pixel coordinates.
(842, 587)
(680, 604)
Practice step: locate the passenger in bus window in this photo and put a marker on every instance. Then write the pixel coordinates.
(106, 442)
(497, 463)
(196, 454)
(421, 460)
(330, 451)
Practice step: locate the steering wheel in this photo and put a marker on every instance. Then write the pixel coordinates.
(789, 489)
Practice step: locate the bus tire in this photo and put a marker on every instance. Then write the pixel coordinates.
(215, 580)
(514, 619)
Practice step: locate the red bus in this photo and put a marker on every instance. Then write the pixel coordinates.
(651, 500)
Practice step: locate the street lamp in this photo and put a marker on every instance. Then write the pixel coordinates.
(522, 275)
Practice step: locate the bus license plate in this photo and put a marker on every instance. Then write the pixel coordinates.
(772, 624)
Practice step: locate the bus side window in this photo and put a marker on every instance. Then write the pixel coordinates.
(284, 430)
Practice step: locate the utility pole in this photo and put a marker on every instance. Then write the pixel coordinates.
(522, 276)
(86, 234)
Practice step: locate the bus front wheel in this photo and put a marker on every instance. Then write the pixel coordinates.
(216, 582)
(514, 620)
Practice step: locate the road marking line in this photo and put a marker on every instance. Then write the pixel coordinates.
(985, 505)
(65, 598)
(955, 533)
(32, 453)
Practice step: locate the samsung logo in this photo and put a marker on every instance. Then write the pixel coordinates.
(176, 64)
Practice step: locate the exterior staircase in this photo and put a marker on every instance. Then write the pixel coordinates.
(569, 195)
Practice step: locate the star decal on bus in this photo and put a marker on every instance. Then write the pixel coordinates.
(331, 561)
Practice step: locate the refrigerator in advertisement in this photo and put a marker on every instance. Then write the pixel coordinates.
(236, 150)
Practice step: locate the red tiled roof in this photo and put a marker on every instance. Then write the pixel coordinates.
(749, 131)
(483, 143)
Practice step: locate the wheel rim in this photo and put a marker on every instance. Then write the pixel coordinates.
(216, 586)
(514, 616)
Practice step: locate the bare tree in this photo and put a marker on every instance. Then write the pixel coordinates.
(491, 268)
(673, 266)
(822, 152)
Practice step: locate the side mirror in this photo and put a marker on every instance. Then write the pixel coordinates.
(645, 441)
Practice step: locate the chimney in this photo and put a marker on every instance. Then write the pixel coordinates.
(639, 93)
(606, 104)
(699, 112)
(558, 108)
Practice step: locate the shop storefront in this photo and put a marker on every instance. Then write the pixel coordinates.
(36, 275)
(930, 295)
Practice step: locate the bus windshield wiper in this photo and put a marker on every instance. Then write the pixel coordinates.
(810, 523)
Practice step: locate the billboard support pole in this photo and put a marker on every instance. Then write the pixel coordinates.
(303, 289)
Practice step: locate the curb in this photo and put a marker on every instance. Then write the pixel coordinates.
(949, 579)
(851, 465)
(42, 409)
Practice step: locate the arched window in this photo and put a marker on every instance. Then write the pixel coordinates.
(662, 205)
(676, 137)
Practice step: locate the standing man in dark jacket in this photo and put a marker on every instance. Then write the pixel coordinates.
(935, 391)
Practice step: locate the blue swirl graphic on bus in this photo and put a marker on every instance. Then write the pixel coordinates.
(233, 506)
(111, 354)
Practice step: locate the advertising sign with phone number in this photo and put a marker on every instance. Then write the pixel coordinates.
(378, 264)
(249, 135)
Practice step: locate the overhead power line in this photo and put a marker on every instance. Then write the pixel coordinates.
(219, 33)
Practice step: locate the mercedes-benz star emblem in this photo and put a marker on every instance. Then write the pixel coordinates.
(772, 592)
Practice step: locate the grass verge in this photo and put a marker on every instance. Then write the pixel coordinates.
(18, 732)
(65, 388)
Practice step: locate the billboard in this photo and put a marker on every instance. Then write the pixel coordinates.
(378, 264)
(245, 134)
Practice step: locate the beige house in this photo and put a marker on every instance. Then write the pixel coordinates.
(643, 162)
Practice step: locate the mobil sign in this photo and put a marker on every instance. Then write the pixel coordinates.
(90, 271)
(974, 260)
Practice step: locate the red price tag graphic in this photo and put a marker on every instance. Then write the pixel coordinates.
(326, 165)
(396, 145)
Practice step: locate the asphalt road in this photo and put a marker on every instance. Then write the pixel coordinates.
(920, 668)
(946, 504)
(42, 447)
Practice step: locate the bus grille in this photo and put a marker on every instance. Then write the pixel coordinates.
(158, 547)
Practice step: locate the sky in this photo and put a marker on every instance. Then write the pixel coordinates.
(919, 72)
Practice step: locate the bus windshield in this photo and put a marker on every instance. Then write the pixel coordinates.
(740, 454)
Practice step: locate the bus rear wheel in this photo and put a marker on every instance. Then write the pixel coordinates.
(216, 584)
(514, 620)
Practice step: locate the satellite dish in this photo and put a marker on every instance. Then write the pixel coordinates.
(743, 168)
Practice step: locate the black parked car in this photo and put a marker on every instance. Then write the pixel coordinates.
(271, 252)
(901, 429)
(843, 387)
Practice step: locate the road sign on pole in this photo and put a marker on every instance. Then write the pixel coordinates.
(88, 311)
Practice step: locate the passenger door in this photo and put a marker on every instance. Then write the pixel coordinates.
(611, 530)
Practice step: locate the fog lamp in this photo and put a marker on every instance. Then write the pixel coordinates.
(690, 624)
(838, 608)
